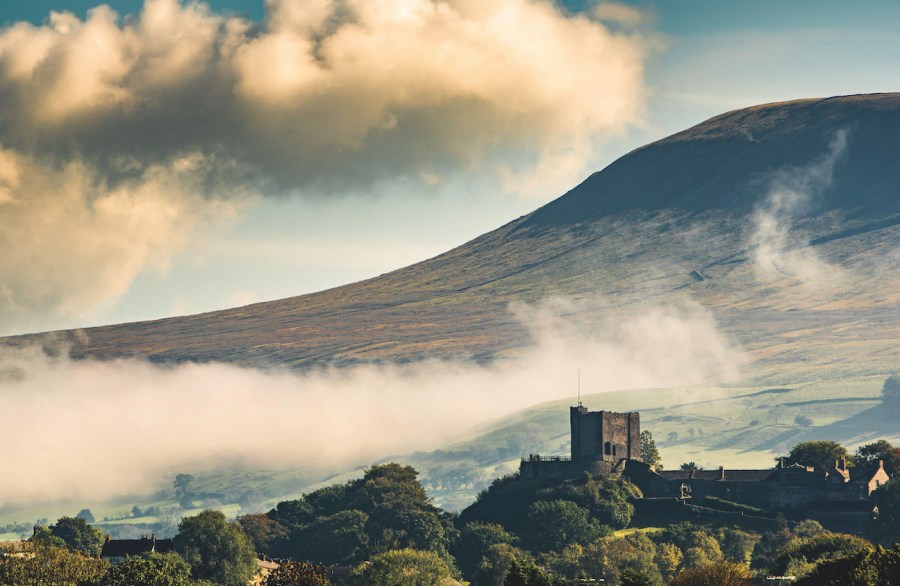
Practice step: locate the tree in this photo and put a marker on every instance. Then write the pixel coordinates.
(800, 556)
(297, 574)
(474, 541)
(216, 549)
(649, 453)
(690, 467)
(496, 562)
(266, 533)
(87, 515)
(887, 526)
(879, 450)
(339, 538)
(149, 570)
(78, 535)
(737, 545)
(803, 421)
(51, 566)
(890, 392)
(43, 535)
(717, 574)
(386, 509)
(404, 567)
(630, 559)
(527, 573)
(556, 524)
(821, 454)
(182, 486)
(872, 568)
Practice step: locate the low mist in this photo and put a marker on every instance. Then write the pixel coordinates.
(779, 251)
(95, 430)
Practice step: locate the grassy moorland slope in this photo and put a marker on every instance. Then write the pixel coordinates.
(677, 218)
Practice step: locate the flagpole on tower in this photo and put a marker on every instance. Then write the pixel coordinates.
(579, 387)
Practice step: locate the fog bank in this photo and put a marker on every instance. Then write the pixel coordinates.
(95, 430)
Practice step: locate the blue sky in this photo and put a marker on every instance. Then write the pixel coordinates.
(707, 57)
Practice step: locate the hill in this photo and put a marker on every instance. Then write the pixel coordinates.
(783, 219)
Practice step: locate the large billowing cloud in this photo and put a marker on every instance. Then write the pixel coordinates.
(99, 116)
(325, 92)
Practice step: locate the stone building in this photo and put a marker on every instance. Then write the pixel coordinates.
(115, 550)
(602, 442)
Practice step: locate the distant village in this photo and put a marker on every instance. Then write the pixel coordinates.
(609, 444)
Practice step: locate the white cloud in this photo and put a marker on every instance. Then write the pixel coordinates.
(121, 135)
(73, 242)
(325, 93)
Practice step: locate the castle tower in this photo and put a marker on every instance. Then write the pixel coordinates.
(604, 435)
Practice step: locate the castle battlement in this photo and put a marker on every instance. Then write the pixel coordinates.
(601, 443)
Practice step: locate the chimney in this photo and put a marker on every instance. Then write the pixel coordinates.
(880, 464)
(108, 538)
(843, 465)
(781, 462)
(721, 472)
(153, 537)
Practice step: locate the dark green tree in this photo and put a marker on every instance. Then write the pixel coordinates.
(266, 533)
(43, 535)
(336, 539)
(495, 564)
(297, 574)
(78, 535)
(216, 549)
(475, 540)
(736, 545)
(820, 453)
(887, 526)
(690, 467)
(526, 573)
(879, 450)
(556, 524)
(386, 509)
(649, 453)
(606, 499)
(149, 570)
(872, 568)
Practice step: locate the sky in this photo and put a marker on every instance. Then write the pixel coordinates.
(163, 158)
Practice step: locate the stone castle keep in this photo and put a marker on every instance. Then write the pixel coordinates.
(602, 441)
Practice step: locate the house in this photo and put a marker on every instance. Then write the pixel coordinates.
(115, 550)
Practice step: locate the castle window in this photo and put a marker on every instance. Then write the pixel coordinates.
(606, 449)
(614, 451)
